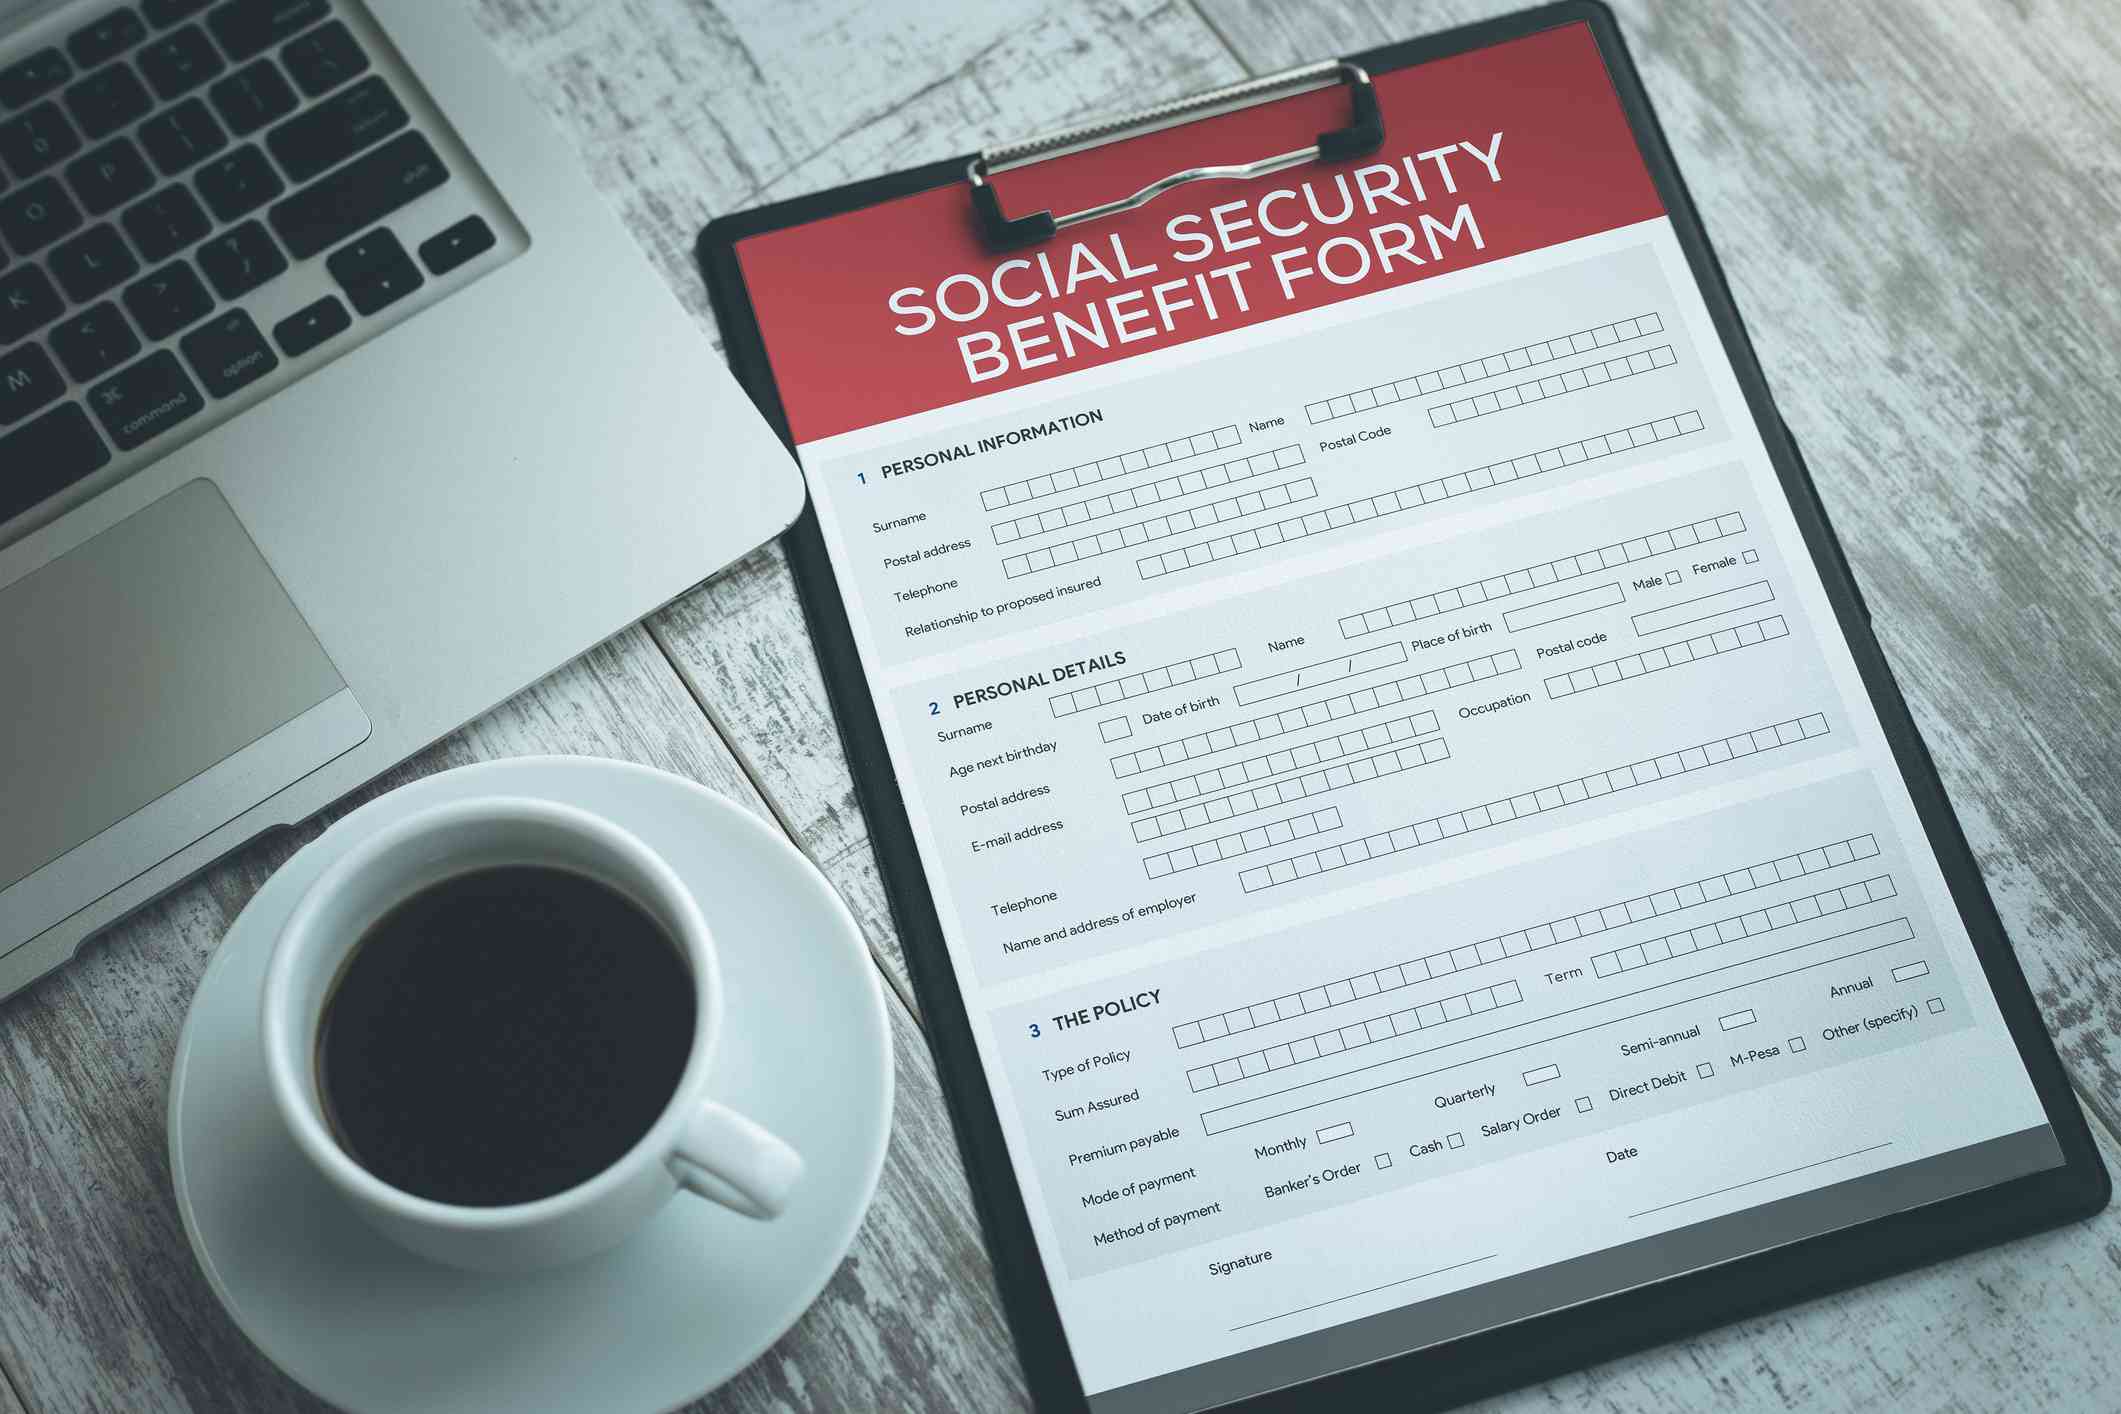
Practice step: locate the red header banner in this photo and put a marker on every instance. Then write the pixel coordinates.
(899, 307)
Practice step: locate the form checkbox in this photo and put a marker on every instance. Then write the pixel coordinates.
(1332, 1132)
(1115, 729)
(1796, 1043)
(1456, 1141)
(1583, 1104)
(1752, 557)
(1935, 1004)
(1704, 1070)
(1674, 575)
(1542, 1075)
(1383, 1161)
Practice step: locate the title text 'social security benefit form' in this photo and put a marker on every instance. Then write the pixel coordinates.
(1380, 750)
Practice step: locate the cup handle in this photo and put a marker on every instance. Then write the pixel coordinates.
(730, 1160)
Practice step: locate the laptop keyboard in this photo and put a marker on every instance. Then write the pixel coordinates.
(164, 169)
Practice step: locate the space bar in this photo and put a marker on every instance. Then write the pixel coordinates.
(364, 191)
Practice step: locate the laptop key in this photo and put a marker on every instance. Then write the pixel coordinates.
(164, 13)
(168, 299)
(311, 325)
(28, 302)
(228, 353)
(446, 250)
(375, 271)
(251, 97)
(105, 38)
(92, 263)
(247, 27)
(358, 194)
(179, 62)
(94, 341)
(34, 216)
(33, 141)
(27, 382)
(181, 136)
(145, 400)
(107, 177)
(32, 77)
(239, 183)
(43, 457)
(240, 260)
(337, 128)
(107, 100)
(165, 223)
(324, 58)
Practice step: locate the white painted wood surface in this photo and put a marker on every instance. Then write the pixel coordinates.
(1916, 205)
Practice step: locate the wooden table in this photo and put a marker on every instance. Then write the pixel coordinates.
(1917, 204)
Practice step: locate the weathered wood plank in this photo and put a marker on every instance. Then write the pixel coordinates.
(101, 1305)
(1911, 205)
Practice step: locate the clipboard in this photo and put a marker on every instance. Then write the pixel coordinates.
(1339, 102)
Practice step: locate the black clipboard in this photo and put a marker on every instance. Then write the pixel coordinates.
(1543, 1346)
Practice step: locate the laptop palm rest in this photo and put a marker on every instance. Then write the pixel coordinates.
(156, 682)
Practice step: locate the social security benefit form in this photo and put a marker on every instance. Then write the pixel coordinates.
(1410, 836)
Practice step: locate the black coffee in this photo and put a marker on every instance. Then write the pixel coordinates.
(504, 1036)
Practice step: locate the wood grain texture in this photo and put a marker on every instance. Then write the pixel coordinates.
(1915, 205)
(101, 1305)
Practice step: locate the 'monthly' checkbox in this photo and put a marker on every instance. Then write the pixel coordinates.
(1705, 1070)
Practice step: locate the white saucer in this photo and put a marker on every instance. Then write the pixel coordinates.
(697, 1294)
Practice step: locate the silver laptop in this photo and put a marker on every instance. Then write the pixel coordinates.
(335, 407)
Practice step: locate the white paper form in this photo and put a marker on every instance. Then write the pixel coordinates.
(1405, 822)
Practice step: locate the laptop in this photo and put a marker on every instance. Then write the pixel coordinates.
(335, 407)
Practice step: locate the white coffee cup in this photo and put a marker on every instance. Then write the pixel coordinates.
(695, 1143)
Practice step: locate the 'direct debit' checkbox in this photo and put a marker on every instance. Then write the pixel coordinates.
(1704, 1070)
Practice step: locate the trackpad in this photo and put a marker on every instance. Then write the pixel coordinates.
(157, 682)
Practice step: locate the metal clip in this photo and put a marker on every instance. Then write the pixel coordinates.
(1364, 133)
